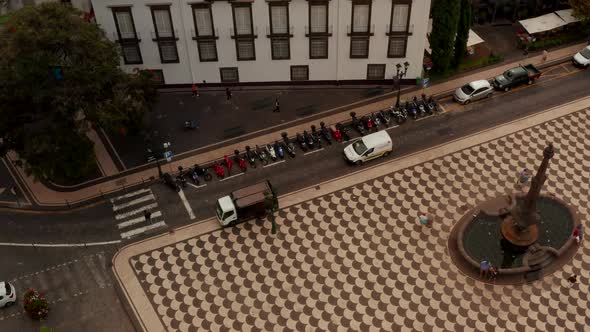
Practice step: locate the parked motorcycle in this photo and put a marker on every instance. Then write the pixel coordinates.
(433, 104)
(241, 161)
(315, 134)
(308, 140)
(271, 152)
(411, 107)
(228, 164)
(280, 152)
(181, 178)
(419, 106)
(250, 156)
(171, 182)
(344, 131)
(288, 145)
(301, 142)
(218, 169)
(385, 117)
(336, 133)
(357, 124)
(198, 171)
(376, 120)
(368, 123)
(326, 133)
(261, 153)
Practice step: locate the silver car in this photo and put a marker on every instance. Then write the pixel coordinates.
(473, 91)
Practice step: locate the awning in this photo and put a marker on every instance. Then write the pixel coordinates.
(542, 23)
(472, 40)
(567, 16)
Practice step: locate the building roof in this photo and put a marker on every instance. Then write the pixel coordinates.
(567, 15)
(542, 23)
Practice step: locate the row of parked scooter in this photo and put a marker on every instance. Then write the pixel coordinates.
(415, 109)
(307, 141)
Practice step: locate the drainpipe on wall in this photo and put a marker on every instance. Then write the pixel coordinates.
(338, 41)
(187, 43)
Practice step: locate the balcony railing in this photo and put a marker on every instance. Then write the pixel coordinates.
(369, 31)
(399, 33)
(215, 35)
(233, 34)
(328, 32)
(287, 34)
(129, 37)
(155, 35)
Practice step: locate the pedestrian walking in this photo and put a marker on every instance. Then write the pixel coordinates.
(148, 215)
(493, 273)
(195, 91)
(228, 93)
(277, 106)
(484, 268)
(545, 55)
(523, 178)
(423, 218)
(572, 280)
(577, 234)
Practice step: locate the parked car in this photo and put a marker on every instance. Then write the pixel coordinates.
(369, 147)
(473, 91)
(7, 294)
(516, 76)
(582, 58)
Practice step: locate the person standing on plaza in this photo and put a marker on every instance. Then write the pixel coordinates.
(277, 106)
(228, 93)
(423, 218)
(484, 268)
(195, 91)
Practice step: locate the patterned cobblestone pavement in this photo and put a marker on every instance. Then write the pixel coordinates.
(358, 259)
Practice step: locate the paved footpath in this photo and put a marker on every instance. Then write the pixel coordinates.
(44, 196)
(350, 253)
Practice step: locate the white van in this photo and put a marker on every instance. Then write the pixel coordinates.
(369, 147)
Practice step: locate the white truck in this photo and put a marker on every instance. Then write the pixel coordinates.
(246, 203)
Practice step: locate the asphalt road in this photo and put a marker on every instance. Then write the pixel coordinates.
(81, 277)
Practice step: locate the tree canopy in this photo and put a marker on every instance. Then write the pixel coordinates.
(463, 27)
(59, 73)
(445, 16)
(581, 9)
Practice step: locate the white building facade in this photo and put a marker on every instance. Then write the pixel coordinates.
(267, 41)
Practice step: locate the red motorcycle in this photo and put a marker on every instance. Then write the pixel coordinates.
(228, 163)
(336, 133)
(241, 161)
(368, 122)
(218, 170)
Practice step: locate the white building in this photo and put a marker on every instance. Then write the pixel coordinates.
(264, 41)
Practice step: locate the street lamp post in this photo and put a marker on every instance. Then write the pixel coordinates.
(399, 74)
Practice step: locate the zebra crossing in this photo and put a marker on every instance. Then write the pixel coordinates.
(129, 213)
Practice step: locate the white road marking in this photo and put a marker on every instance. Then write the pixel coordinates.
(232, 176)
(136, 211)
(187, 205)
(391, 127)
(425, 117)
(58, 245)
(131, 194)
(137, 220)
(195, 186)
(143, 229)
(314, 151)
(273, 164)
(134, 202)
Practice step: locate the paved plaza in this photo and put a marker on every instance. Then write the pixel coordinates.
(354, 256)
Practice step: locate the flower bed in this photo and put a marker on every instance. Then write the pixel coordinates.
(36, 305)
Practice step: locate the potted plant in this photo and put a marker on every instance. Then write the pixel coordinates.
(35, 304)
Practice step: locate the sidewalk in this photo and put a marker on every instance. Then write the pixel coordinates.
(148, 317)
(46, 197)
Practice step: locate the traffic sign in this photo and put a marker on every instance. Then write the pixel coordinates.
(167, 154)
(425, 82)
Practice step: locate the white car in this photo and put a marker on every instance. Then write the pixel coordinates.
(473, 91)
(582, 58)
(7, 294)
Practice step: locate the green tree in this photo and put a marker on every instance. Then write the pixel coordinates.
(59, 73)
(463, 27)
(445, 16)
(581, 9)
